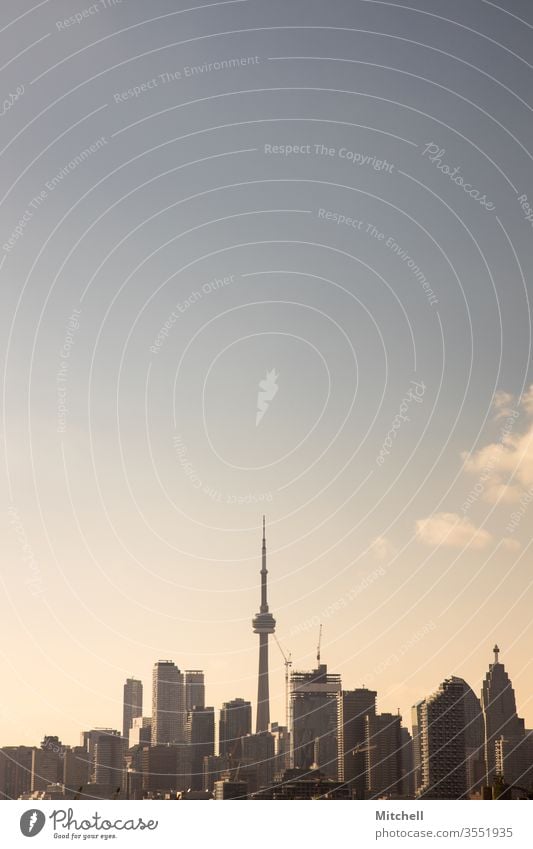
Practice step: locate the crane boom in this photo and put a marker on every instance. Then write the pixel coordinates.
(318, 646)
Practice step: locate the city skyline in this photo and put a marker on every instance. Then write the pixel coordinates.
(196, 680)
(337, 737)
(459, 745)
(263, 258)
(179, 689)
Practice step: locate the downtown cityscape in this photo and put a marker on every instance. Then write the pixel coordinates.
(332, 744)
(266, 425)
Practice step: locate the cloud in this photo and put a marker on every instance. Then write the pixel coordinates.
(502, 403)
(511, 544)
(382, 548)
(451, 530)
(505, 468)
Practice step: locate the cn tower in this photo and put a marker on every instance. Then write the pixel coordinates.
(263, 624)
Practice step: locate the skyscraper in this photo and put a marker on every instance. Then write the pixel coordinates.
(109, 760)
(105, 755)
(383, 755)
(499, 713)
(314, 713)
(200, 736)
(132, 704)
(440, 741)
(47, 764)
(194, 689)
(473, 739)
(76, 771)
(257, 765)
(263, 624)
(168, 704)
(235, 722)
(15, 771)
(353, 707)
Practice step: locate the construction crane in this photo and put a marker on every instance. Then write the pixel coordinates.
(318, 646)
(288, 663)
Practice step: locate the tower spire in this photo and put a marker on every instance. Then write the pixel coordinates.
(264, 573)
(496, 651)
(263, 624)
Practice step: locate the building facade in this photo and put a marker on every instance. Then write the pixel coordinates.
(168, 704)
(132, 704)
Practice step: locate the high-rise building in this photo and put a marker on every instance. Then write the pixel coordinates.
(257, 764)
(109, 761)
(499, 713)
(473, 740)
(235, 722)
(15, 771)
(47, 764)
(408, 777)
(314, 714)
(89, 740)
(194, 689)
(263, 624)
(282, 749)
(76, 772)
(132, 704)
(200, 736)
(514, 761)
(168, 704)
(416, 719)
(441, 741)
(140, 731)
(353, 707)
(166, 770)
(383, 755)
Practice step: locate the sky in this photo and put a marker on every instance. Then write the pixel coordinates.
(263, 258)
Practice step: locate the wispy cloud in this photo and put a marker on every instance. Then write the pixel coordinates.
(511, 457)
(452, 530)
(382, 549)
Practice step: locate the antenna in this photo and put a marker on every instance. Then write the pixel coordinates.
(318, 646)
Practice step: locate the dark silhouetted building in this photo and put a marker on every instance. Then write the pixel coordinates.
(168, 704)
(235, 722)
(353, 707)
(132, 705)
(383, 755)
(499, 714)
(314, 707)
(200, 736)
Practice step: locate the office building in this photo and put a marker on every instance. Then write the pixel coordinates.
(194, 689)
(200, 736)
(132, 704)
(168, 704)
(47, 764)
(353, 707)
(15, 771)
(440, 742)
(235, 722)
(314, 700)
(76, 772)
(383, 755)
(257, 760)
(499, 713)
